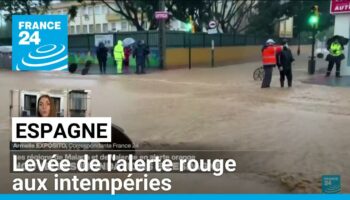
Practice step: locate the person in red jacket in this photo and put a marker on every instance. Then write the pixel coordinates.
(269, 52)
(127, 52)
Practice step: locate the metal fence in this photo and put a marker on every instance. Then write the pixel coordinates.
(5, 41)
(173, 39)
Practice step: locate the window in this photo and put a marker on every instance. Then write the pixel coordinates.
(114, 26)
(78, 103)
(98, 28)
(85, 29)
(57, 103)
(78, 29)
(90, 11)
(29, 106)
(91, 28)
(105, 28)
(104, 10)
(98, 10)
(72, 30)
(81, 11)
(124, 26)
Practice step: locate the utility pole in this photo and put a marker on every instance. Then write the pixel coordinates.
(313, 21)
(162, 39)
(94, 16)
(298, 52)
(312, 61)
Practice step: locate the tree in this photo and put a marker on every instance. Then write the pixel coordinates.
(135, 11)
(231, 13)
(270, 13)
(183, 9)
(300, 10)
(5, 30)
(23, 7)
(266, 14)
(138, 12)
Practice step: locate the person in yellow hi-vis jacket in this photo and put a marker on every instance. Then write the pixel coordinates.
(119, 56)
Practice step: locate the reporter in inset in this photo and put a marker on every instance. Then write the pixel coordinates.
(46, 107)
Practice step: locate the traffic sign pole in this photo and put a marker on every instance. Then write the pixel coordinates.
(161, 16)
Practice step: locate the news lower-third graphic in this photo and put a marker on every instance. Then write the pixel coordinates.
(40, 43)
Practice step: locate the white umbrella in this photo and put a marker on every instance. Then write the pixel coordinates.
(128, 42)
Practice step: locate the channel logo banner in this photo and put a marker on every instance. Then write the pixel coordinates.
(40, 42)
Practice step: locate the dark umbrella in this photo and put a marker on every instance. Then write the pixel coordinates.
(342, 40)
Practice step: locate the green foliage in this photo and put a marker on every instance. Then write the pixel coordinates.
(269, 14)
(23, 7)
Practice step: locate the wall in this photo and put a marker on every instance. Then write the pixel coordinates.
(178, 57)
(342, 27)
(201, 57)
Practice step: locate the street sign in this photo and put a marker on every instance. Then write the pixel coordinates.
(340, 6)
(161, 15)
(212, 24)
(286, 28)
(212, 31)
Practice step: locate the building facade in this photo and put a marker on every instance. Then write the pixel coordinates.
(97, 18)
(341, 10)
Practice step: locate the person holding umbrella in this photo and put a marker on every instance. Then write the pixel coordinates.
(335, 46)
(119, 56)
(127, 52)
(127, 42)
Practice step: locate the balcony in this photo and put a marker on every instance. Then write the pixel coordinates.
(112, 17)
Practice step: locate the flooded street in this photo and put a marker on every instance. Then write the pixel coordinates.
(289, 137)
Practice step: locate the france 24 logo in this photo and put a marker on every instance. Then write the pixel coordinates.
(39, 42)
(331, 184)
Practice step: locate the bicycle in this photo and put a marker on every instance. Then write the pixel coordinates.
(258, 74)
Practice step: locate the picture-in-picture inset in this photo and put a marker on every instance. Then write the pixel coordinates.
(50, 103)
